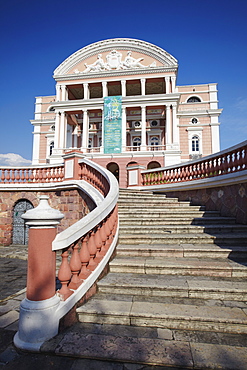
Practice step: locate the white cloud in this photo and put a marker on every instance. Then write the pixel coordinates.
(14, 160)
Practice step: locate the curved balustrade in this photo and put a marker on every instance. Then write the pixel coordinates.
(30, 174)
(225, 162)
(86, 248)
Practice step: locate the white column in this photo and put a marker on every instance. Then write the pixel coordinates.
(143, 132)
(57, 130)
(173, 83)
(123, 83)
(58, 92)
(102, 133)
(63, 92)
(85, 130)
(123, 129)
(104, 87)
(168, 125)
(143, 86)
(86, 91)
(167, 80)
(63, 131)
(75, 137)
(175, 128)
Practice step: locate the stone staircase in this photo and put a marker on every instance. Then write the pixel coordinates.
(176, 293)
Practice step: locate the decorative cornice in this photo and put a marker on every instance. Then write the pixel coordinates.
(141, 71)
(119, 44)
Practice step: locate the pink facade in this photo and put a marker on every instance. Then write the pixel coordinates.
(161, 123)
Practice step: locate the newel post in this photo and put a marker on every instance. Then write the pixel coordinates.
(37, 321)
(134, 175)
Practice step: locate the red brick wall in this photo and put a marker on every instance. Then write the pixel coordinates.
(72, 203)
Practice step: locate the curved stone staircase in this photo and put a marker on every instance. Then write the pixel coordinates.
(176, 293)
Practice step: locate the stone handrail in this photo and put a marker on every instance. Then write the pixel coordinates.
(225, 162)
(37, 174)
(86, 248)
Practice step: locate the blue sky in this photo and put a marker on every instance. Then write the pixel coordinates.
(208, 37)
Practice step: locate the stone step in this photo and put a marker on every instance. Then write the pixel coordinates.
(192, 229)
(175, 220)
(165, 212)
(194, 289)
(162, 315)
(118, 347)
(159, 207)
(183, 250)
(179, 266)
(185, 238)
(146, 200)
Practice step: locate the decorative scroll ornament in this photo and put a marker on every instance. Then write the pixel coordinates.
(114, 62)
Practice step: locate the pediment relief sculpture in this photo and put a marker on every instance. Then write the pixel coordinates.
(114, 62)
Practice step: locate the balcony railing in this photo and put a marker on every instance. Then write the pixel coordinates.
(228, 161)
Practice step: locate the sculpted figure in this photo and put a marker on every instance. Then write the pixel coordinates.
(98, 65)
(131, 62)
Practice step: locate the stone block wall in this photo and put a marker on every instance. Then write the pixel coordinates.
(229, 200)
(73, 204)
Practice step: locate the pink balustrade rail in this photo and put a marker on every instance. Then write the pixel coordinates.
(23, 175)
(225, 162)
(81, 257)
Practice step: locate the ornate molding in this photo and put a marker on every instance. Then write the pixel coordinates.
(82, 76)
(166, 59)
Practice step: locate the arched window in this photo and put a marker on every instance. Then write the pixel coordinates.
(153, 164)
(154, 140)
(51, 147)
(195, 144)
(137, 141)
(194, 99)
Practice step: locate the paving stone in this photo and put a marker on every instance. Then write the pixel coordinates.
(213, 356)
(8, 318)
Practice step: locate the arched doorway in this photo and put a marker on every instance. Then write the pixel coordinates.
(114, 169)
(153, 164)
(20, 230)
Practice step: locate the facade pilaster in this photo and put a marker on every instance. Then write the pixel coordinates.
(215, 134)
(123, 129)
(36, 144)
(143, 132)
(175, 128)
(85, 129)
(143, 86)
(104, 88)
(123, 84)
(168, 124)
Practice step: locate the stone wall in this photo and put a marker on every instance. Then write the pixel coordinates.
(230, 200)
(73, 204)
